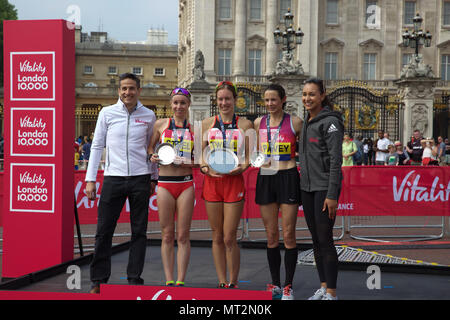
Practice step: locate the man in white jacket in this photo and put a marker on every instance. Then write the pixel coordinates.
(124, 129)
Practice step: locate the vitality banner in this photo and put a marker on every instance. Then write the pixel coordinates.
(39, 117)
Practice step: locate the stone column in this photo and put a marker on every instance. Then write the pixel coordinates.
(240, 37)
(293, 84)
(418, 96)
(271, 47)
(200, 100)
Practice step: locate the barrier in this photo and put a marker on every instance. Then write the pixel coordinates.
(415, 198)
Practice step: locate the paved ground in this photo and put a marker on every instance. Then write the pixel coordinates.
(254, 275)
(254, 270)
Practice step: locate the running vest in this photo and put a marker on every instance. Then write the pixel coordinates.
(234, 138)
(183, 136)
(283, 148)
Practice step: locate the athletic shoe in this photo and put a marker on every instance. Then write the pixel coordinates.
(170, 283)
(276, 291)
(232, 286)
(319, 294)
(288, 293)
(95, 289)
(222, 286)
(179, 284)
(329, 297)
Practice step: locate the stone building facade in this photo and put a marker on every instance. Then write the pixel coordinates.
(99, 63)
(344, 39)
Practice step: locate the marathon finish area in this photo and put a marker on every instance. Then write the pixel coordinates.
(366, 191)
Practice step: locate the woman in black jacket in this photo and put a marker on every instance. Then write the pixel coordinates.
(321, 176)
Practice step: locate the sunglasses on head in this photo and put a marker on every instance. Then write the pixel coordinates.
(229, 83)
(181, 91)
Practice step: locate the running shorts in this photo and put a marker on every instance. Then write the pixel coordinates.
(282, 187)
(175, 185)
(229, 188)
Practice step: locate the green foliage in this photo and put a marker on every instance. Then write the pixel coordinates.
(7, 12)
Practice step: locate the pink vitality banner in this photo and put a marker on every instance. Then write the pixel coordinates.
(127, 292)
(366, 191)
(39, 117)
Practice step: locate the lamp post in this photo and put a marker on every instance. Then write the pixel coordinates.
(417, 37)
(289, 38)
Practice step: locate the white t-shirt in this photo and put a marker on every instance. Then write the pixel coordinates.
(382, 144)
(426, 153)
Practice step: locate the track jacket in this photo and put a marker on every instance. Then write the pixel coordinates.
(126, 138)
(320, 153)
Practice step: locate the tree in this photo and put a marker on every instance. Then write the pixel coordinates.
(7, 12)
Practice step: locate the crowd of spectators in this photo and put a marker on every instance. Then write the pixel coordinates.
(82, 147)
(418, 151)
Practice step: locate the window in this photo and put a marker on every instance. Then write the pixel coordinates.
(280, 55)
(137, 70)
(255, 9)
(112, 70)
(159, 72)
(331, 65)
(446, 13)
(410, 12)
(284, 6)
(332, 12)
(406, 59)
(88, 70)
(445, 67)
(224, 62)
(225, 9)
(370, 66)
(254, 63)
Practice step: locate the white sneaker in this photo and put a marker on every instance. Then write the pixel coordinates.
(288, 293)
(329, 297)
(277, 293)
(319, 294)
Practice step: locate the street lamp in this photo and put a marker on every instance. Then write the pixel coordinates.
(289, 36)
(416, 37)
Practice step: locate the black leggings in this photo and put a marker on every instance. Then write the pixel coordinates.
(321, 228)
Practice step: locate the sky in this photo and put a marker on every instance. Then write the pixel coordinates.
(123, 20)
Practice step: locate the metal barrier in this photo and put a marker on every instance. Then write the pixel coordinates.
(404, 237)
(157, 231)
(300, 221)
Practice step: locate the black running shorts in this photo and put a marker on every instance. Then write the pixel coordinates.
(282, 187)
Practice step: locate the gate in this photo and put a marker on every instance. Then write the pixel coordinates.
(441, 119)
(365, 110)
(249, 102)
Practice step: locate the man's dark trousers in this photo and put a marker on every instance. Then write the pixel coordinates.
(115, 191)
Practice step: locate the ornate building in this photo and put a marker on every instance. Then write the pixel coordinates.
(344, 40)
(99, 64)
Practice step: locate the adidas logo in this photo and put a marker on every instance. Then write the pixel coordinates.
(332, 128)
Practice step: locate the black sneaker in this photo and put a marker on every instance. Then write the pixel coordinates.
(136, 281)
